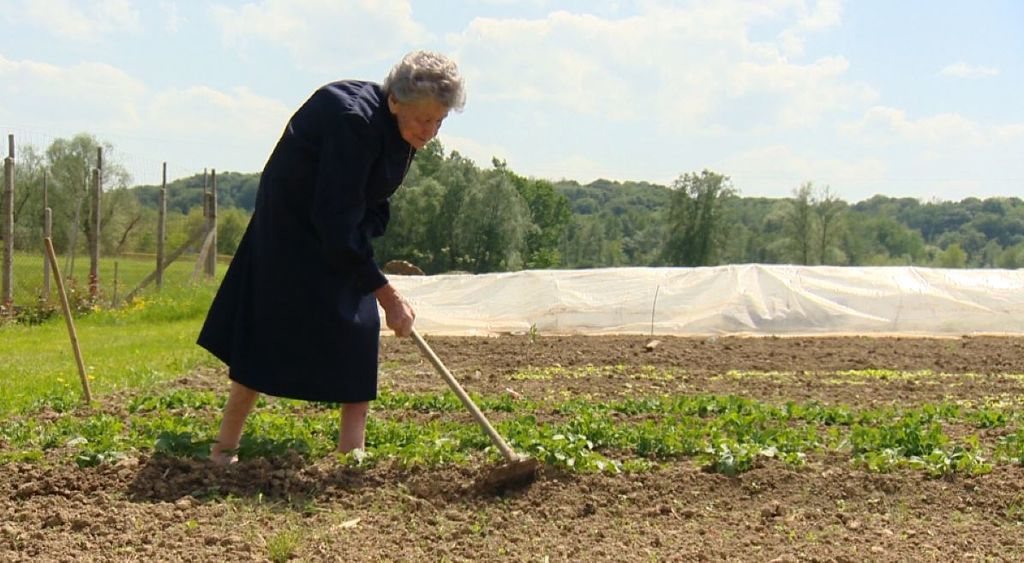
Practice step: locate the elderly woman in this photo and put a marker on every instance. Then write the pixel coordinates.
(296, 315)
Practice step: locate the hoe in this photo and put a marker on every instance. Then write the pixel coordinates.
(517, 470)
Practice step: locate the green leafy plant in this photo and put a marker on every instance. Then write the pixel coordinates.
(884, 460)
(990, 418)
(728, 434)
(182, 444)
(1011, 447)
(730, 458)
(963, 461)
(910, 436)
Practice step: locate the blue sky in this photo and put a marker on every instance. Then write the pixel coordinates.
(910, 98)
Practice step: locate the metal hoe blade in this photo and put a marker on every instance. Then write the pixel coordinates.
(507, 476)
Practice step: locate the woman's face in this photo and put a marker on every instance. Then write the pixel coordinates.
(418, 120)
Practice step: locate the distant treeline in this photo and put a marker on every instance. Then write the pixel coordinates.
(451, 214)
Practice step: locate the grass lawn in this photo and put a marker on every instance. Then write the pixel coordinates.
(133, 346)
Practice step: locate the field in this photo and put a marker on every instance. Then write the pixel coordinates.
(784, 449)
(829, 449)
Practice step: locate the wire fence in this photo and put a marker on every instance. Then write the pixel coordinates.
(140, 170)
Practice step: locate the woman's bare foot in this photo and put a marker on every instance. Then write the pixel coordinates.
(222, 457)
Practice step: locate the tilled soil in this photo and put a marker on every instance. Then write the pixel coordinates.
(160, 508)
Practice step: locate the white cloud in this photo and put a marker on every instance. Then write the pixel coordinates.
(238, 112)
(544, 61)
(75, 94)
(825, 14)
(581, 168)
(480, 153)
(682, 67)
(324, 35)
(1008, 133)
(797, 95)
(777, 170)
(886, 125)
(193, 126)
(945, 155)
(172, 20)
(81, 20)
(964, 70)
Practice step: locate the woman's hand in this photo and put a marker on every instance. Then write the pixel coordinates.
(398, 311)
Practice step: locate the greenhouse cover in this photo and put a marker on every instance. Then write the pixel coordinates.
(752, 299)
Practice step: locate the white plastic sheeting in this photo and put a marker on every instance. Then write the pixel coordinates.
(738, 299)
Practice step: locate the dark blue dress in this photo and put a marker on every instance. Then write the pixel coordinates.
(295, 315)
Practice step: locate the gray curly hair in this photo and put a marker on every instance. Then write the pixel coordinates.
(427, 75)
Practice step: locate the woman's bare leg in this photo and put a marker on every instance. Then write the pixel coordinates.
(353, 426)
(240, 402)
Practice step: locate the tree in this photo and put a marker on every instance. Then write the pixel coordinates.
(584, 243)
(414, 233)
(70, 163)
(1012, 257)
(695, 219)
(492, 226)
(121, 218)
(800, 224)
(953, 257)
(231, 224)
(430, 158)
(458, 175)
(892, 242)
(830, 211)
(29, 169)
(549, 213)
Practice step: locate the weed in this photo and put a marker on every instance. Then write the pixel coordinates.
(1015, 510)
(283, 545)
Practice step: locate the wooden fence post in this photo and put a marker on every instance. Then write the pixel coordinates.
(161, 231)
(206, 199)
(211, 257)
(113, 299)
(94, 252)
(47, 232)
(7, 297)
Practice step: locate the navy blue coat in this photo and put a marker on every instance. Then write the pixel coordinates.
(295, 315)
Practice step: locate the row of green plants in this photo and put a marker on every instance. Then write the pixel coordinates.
(725, 434)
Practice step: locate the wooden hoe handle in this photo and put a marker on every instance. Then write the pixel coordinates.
(506, 451)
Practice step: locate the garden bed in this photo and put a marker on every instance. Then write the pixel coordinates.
(781, 449)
